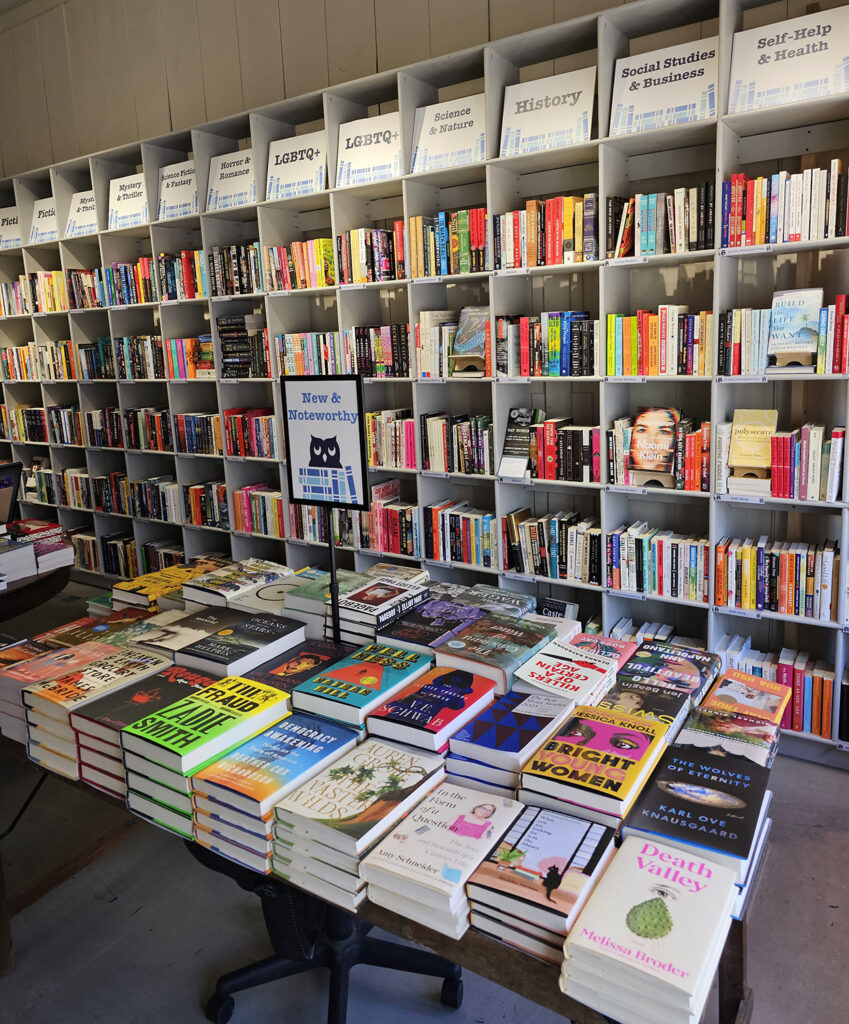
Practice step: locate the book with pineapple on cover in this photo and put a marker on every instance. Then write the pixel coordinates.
(205, 724)
(354, 800)
(596, 759)
(257, 774)
(746, 694)
(299, 663)
(91, 627)
(544, 868)
(736, 734)
(496, 644)
(686, 669)
(430, 624)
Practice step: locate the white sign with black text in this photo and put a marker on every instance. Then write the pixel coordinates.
(369, 150)
(450, 134)
(82, 217)
(178, 190)
(43, 227)
(296, 166)
(127, 202)
(548, 112)
(10, 228)
(232, 181)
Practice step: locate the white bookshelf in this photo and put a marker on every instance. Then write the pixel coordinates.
(713, 280)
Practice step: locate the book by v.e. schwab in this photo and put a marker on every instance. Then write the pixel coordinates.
(746, 694)
(429, 625)
(494, 646)
(678, 668)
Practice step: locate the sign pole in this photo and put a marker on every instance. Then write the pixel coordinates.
(334, 583)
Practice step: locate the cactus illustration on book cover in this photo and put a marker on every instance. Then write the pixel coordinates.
(652, 919)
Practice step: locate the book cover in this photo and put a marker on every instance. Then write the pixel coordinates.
(179, 632)
(751, 695)
(435, 699)
(22, 650)
(55, 663)
(316, 592)
(241, 638)
(362, 788)
(794, 326)
(151, 585)
(443, 839)
(91, 627)
(605, 646)
(685, 669)
(652, 447)
(361, 678)
(377, 598)
(751, 431)
(636, 697)
(503, 602)
(578, 678)
(431, 623)
(731, 733)
(512, 722)
(299, 664)
(233, 580)
(498, 640)
(107, 673)
(703, 801)
(547, 859)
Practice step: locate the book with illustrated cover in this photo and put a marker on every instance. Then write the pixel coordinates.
(22, 650)
(443, 590)
(175, 630)
(225, 584)
(270, 598)
(205, 724)
(544, 868)
(516, 451)
(299, 663)
(256, 775)
(503, 602)
(144, 590)
(745, 694)
(635, 697)
(91, 627)
(312, 595)
(380, 601)
(429, 624)
(362, 794)
(405, 573)
(494, 646)
(242, 644)
(427, 711)
(686, 669)
(53, 664)
(794, 327)
(731, 733)
(357, 684)
(605, 646)
(596, 760)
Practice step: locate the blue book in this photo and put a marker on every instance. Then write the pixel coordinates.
(773, 209)
(726, 214)
(259, 773)
(442, 242)
(553, 549)
(358, 684)
(651, 248)
(644, 225)
(807, 702)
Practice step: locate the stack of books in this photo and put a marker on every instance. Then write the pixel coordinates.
(241, 643)
(307, 600)
(367, 609)
(430, 624)
(569, 670)
(233, 798)
(532, 886)
(324, 827)
(649, 939)
(224, 584)
(672, 666)
(633, 696)
(494, 646)
(271, 597)
(143, 591)
(13, 723)
(176, 741)
(420, 869)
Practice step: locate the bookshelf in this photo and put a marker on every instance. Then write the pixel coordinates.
(716, 279)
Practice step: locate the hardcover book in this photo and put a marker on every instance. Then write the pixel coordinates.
(91, 627)
(605, 647)
(299, 664)
(503, 602)
(222, 585)
(144, 590)
(312, 595)
(573, 671)
(357, 684)
(51, 665)
(794, 326)
(429, 625)
(635, 697)
(731, 733)
(686, 669)
(380, 601)
(241, 645)
(493, 646)
(172, 635)
(746, 694)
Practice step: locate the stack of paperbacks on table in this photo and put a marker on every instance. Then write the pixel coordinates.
(241, 644)
(420, 869)
(730, 733)
(270, 598)
(176, 741)
(144, 591)
(100, 606)
(52, 554)
(92, 627)
(51, 741)
(347, 691)
(324, 827)
(367, 610)
(234, 797)
(428, 711)
(98, 724)
(428, 625)
(299, 663)
(605, 646)
(17, 559)
(569, 671)
(487, 754)
(745, 694)
(706, 803)
(687, 669)
(306, 601)
(13, 721)
(594, 765)
(494, 646)
(564, 629)
(223, 585)
(646, 946)
(444, 590)
(532, 886)
(645, 700)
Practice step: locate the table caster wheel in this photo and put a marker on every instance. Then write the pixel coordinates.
(220, 1008)
(452, 993)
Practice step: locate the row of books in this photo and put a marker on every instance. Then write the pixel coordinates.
(547, 232)
(189, 358)
(234, 269)
(205, 504)
(809, 205)
(25, 423)
(449, 344)
(455, 532)
(251, 433)
(85, 554)
(133, 357)
(368, 255)
(549, 449)
(131, 283)
(119, 556)
(391, 439)
(555, 344)
(148, 429)
(198, 433)
(658, 563)
(104, 429)
(299, 265)
(378, 351)
(245, 350)
(650, 224)
(448, 243)
(111, 493)
(66, 424)
(789, 577)
(659, 447)
(39, 360)
(457, 444)
(182, 275)
(560, 546)
(157, 497)
(672, 342)
(259, 509)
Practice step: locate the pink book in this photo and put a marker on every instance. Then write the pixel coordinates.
(605, 646)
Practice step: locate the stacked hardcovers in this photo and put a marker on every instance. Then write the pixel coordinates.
(685, 669)
(17, 559)
(223, 585)
(325, 826)
(573, 672)
(646, 946)
(144, 591)
(370, 608)
(307, 601)
(532, 886)
(110, 629)
(494, 646)
(632, 696)
(487, 754)
(234, 797)
(430, 624)
(299, 663)
(171, 744)
(13, 721)
(270, 598)
(51, 741)
(419, 870)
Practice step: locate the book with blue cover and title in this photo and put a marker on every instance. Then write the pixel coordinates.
(359, 683)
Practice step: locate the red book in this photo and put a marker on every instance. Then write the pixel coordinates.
(749, 238)
(839, 357)
(774, 460)
(186, 259)
(524, 346)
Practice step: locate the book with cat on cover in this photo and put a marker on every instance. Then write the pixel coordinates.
(494, 646)
(299, 663)
(259, 773)
(635, 697)
(746, 694)
(429, 625)
(698, 801)
(686, 669)
(242, 644)
(90, 627)
(731, 733)
(205, 724)
(427, 711)
(657, 920)
(353, 687)
(596, 760)
(361, 795)
(544, 868)
(429, 856)
(506, 732)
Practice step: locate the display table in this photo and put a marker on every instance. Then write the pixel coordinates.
(32, 591)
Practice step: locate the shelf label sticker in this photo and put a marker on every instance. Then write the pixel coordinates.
(801, 59)
(127, 202)
(369, 150)
(449, 134)
(82, 216)
(43, 227)
(178, 190)
(675, 85)
(232, 181)
(510, 272)
(297, 166)
(626, 489)
(10, 229)
(523, 577)
(746, 250)
(626, 261)
(548, 113)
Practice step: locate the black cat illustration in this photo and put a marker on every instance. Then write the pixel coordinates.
(324, 453)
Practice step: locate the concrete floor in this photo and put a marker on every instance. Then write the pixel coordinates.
(141, 934)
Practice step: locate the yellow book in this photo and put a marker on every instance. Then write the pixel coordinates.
(751, 431)
(611, 344)
(746, 575)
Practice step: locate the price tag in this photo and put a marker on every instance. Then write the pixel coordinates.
(43, 227)
(841, 745)
(178, 190)
(510, 272)
(297, 166)
(10, 231)
(82, 217)
(548, 112)
(231, 181)
(449, 134)
(127, 202)
(369, 150)
(433, 279)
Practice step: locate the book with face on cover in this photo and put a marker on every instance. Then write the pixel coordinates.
(91, 627)
(299, 663)
(686, 669)
(357, 798)
(746, 694)
(429, 625)
(381, 601)
(174, 630)
(242, 644)
(731, 733)
(635, 697)
(494, 646)
(51, 665)
(544, 868)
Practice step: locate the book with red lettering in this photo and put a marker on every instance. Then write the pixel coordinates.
(746, 694)
(605, 646)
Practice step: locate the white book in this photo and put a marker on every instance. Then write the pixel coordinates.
(783, 177)
(823, 204)
(693, 218)
(815, 204)
(681, 239)
(826, 587)
(835, 463)
(805, 226)
(836, 170)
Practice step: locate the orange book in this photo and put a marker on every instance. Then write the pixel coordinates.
(782, 580)
(720, 579)
(816, 704)
(745, 694)
(531, 231)
(827, 698)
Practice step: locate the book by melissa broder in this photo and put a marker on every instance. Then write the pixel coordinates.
(241, 645)
(731, 733)
(746, 694)
(494, 646)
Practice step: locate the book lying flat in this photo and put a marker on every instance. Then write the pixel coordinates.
(90, 627)
(494, 646)
(429, 625)
(299, 663)
(686, 669)
(741, 735)
(242, 645)
(746, 694)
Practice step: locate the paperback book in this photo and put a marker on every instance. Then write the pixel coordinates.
(242, 645)
(430, 624)
(685, 669)
(745, 694)
(730, 733)
(493, 646)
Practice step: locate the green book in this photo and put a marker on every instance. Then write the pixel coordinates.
(465, 252)
(205, 724)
